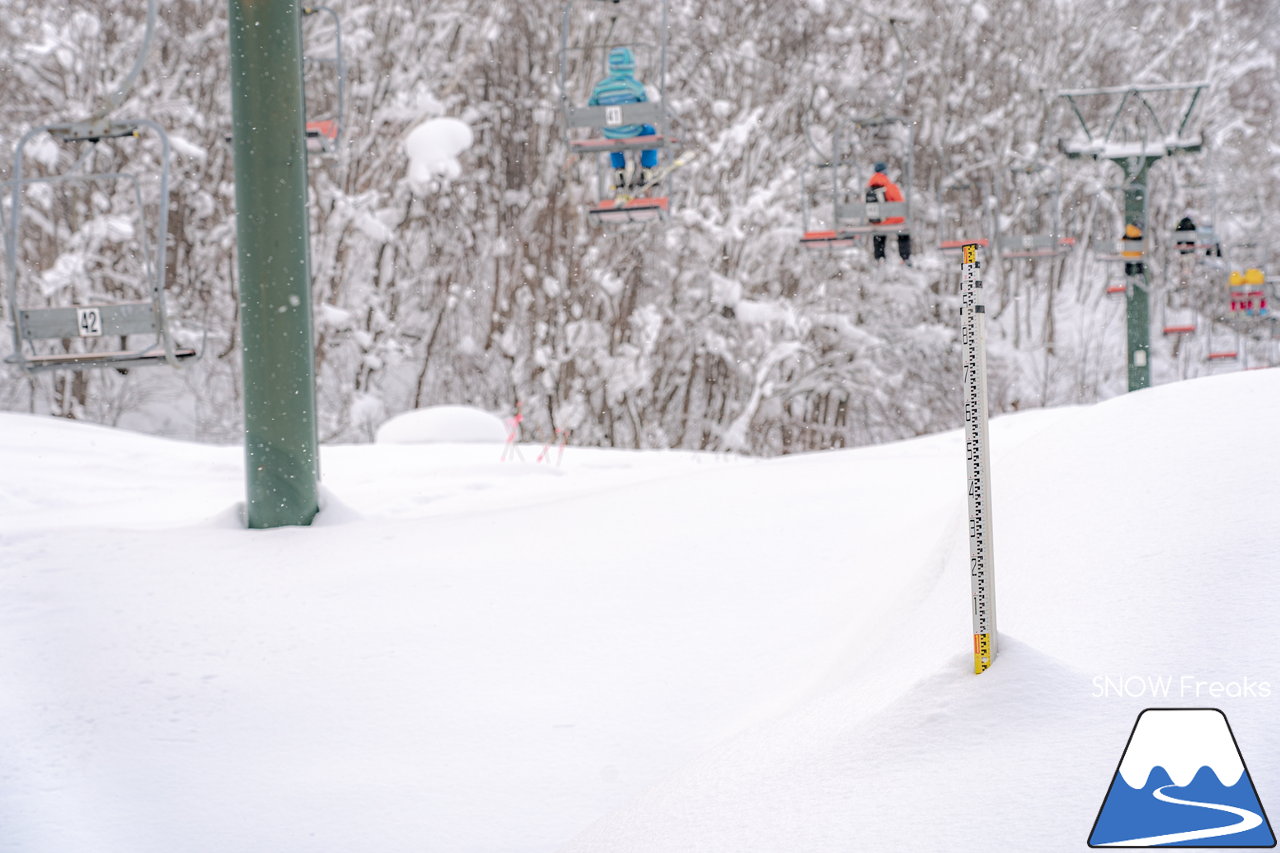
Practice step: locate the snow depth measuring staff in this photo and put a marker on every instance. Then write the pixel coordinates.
(973, 344)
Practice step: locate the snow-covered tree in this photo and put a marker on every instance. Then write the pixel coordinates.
(487, 285)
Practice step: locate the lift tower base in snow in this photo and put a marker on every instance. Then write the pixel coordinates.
(273, 260)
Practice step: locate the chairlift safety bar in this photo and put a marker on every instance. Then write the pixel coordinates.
(647, 112)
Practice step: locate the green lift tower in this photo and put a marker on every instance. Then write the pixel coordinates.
(273, 260)
(1135, 127)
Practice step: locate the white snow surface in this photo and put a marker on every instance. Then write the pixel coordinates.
(433, 148)
(443, 424)
(628, 651)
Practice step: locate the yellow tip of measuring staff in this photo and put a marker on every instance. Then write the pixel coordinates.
(982, 656)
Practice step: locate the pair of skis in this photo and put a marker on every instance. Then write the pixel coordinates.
(656, 176)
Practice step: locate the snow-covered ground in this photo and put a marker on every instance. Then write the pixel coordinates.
(627, 651)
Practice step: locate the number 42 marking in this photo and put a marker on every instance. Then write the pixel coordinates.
(89, 322)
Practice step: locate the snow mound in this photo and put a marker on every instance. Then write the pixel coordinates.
(433, 148)
(443, 424)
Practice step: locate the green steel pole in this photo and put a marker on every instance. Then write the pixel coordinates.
(267, 110)
(1138, 299)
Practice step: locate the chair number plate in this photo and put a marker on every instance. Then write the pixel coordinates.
(89, 322)
(613, 116)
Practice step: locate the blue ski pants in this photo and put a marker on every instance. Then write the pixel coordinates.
(648, 157)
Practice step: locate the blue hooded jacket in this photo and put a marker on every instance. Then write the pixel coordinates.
(620, 87)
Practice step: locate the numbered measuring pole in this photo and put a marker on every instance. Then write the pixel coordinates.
(973, 343)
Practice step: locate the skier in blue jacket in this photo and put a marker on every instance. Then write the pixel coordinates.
(621, 87)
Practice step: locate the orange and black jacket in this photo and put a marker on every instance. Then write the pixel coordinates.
(885, 190)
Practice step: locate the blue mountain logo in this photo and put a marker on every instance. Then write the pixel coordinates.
(1182, 782)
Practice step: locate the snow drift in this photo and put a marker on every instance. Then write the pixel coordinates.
(640, 651)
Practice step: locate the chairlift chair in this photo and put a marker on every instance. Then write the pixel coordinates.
(1223, 348)
(859, 139)
(858, 143)
(1190, 261)
(1113, 252)
(1250, 313)
(1045, 243)
(1177, 303)
(615, 207)
(95, 316)
(813, 235)
(324, 135)
(1199, 200)
(1202, 242)
(963, 209)
(1174, 321)
(1185, 268)
(888, 138)
(1249, 297)
(1247, 278)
